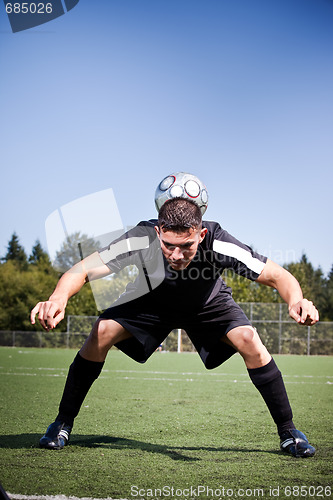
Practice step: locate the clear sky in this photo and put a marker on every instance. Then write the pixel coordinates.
(119, 93)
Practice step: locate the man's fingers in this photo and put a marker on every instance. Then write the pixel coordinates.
(294, 314)
(312, 317)
(49, 314)
(33, 313)
(312, 314)
(38, 309)
(304, 312)
(307, 310)
(43, 315)
(51, 310)
(54, 319)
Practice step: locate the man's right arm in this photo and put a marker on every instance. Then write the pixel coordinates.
(52, 311)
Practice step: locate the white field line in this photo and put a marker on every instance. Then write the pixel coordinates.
(156, 376)
(248, 381)
(157, 372)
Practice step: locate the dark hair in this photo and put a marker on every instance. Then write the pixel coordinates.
(179, 215)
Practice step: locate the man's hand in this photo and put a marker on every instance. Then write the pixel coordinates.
(50, 313)
(304, 312)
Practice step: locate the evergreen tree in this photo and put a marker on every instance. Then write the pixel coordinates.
(38, 254)
(327, 311)
(312, 281)
(16, 252)
(40, 259)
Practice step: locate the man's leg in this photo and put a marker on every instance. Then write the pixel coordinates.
(267, 378)
(84, 370)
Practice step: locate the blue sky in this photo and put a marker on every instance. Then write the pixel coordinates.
(119, 93)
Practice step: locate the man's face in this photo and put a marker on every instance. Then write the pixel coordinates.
(180, 248)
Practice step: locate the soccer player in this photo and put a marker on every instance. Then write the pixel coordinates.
(180, 259)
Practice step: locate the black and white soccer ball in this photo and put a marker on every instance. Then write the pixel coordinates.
(183, 185)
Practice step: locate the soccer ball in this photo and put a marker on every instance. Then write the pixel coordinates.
(183, 185)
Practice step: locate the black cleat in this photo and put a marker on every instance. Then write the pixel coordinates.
(295, 443)
(56, 436)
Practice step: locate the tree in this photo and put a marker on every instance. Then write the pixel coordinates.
(244, 290)
(20, 290)
(74, 248)
(16, 252)
(38, 254)
(327, 310)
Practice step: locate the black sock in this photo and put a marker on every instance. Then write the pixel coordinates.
(268, 380)
(82, 373)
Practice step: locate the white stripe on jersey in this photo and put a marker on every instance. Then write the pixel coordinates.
(124, 246)
(232, 250)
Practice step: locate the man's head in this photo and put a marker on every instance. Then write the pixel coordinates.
(180, 231)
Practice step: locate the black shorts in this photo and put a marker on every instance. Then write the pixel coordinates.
(150, 325)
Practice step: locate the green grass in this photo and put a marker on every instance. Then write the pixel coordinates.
(168, 423)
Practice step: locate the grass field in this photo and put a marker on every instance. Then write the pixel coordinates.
(167, 425)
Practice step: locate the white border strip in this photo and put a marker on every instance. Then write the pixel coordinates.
(13, 496)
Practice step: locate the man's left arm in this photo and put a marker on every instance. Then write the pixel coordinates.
(301, 310)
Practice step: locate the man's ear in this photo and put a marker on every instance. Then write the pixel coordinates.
(203, 233)
(157, 229)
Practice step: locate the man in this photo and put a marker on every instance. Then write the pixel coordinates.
(180, 259)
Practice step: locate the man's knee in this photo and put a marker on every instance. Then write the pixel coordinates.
(244, 337)
(98, 330)
(246, 340)
(248, 335)
(108, 332)
(101, 332)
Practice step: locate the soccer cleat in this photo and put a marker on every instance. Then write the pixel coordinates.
(56, 436)
(295, 443)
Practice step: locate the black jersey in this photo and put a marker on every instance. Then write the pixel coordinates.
(193, 286)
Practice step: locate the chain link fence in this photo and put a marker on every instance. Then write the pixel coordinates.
(278, 331)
